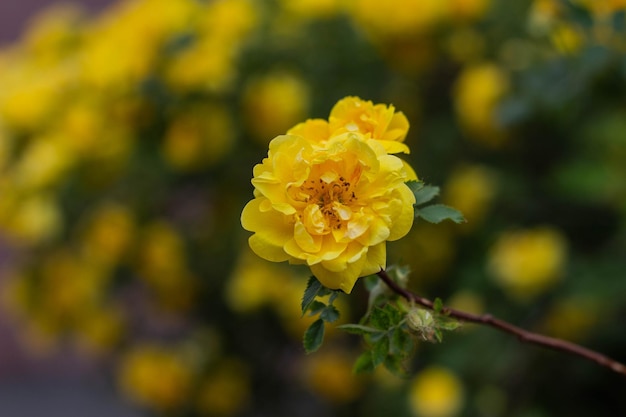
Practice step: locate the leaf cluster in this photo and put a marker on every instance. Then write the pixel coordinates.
(388, 338)
(432, 213)
(313, 306)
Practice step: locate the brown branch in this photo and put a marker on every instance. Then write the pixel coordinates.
(523, 335)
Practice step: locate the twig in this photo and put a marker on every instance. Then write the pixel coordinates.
(523, 335)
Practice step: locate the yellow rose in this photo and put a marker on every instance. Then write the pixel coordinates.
(331, 207)
(377, 121)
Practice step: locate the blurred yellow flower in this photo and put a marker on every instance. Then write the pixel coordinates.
(206, 65)
(477, 92)
(436, 392)
(69, 286)
(226, 390)
(100, 328)
(208, 62)
(44, 161)
(32, 220)
(255, 282)
(312, 9)
(526, 263)
(162, 265)
(470, 189)
(332, 208)
(572, 318)
(108, 235)
(468, 9)
(28, 100)
(198, 137)
(567, 38)
(123, 45)
(155, 376)
(329, 374)
(53, 33)
(398, 18)
(274, 103)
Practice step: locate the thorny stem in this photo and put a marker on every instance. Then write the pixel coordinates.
(523, 335)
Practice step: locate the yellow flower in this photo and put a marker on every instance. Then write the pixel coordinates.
(162, 265)
(332, 208)
(528, 262)
(255, 282)
(312, 9)
(436, 392)
(377, 121)
(198, 137)
(468, 9)
(156, 376)
(329, 375)
(109, 235)
(398, 18)
(477, 92)
(274, 103)
(100, 328)
(226, 390)
(470, 189)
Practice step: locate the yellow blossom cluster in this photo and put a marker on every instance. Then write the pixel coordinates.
(329, 194)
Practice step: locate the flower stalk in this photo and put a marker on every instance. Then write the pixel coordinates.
(506, 327)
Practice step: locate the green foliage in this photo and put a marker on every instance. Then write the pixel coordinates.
(327, 312)
(314, 336)
(387, 337)
(435, 213)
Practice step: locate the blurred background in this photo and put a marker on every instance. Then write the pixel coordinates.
(128, 133)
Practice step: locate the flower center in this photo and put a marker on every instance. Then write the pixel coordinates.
(328, 198)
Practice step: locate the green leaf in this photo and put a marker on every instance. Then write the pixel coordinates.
(380, 350)
(330, 314)
(395, 366)
(437, 305)
(401, 342)
(316, 307)
(394, 314)
(425, 194)
(415, 186)
(438, 335)
(380, 319)
(314, 336)
(438, 213)
(448, 324)
(364, 363)
(314, 288)
(358, 329)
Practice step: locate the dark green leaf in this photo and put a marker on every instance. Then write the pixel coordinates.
(395, 366)
(314, 336)
(364, 363)
(394, 314)
(358, 329)
(401, 342)
(316, 307)
(314, 288)
(425, 194)
(310, 293)
(330, 314)
(438, 213)
(380, 319)
(380, 350)
(415, 186)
